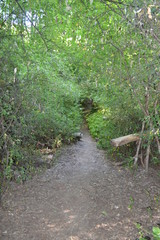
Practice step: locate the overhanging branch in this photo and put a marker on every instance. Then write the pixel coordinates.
(28, 18)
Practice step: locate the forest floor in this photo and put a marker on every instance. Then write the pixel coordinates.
(83, 197)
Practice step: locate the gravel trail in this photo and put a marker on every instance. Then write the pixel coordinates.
(84, 197)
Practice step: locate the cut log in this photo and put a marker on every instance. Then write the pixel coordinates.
(117, 142)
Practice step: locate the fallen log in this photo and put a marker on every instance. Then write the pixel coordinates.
(117, 142)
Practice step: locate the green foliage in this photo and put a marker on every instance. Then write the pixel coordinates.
(130, 206)
(156, 233)
(39, 93)
(122, 66)
(8, 172)
(101, 127)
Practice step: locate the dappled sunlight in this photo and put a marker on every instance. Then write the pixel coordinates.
(71, 218)
(69, 223)
(51, 226)
(60, 223)
(125, 224)
(66, 211)
(74, 238)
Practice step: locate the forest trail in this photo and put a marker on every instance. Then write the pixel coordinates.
(83, 197)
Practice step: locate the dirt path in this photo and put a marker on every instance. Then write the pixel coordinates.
(85, 197)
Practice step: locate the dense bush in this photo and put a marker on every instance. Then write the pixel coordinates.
(101, 128)
(39, 101)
